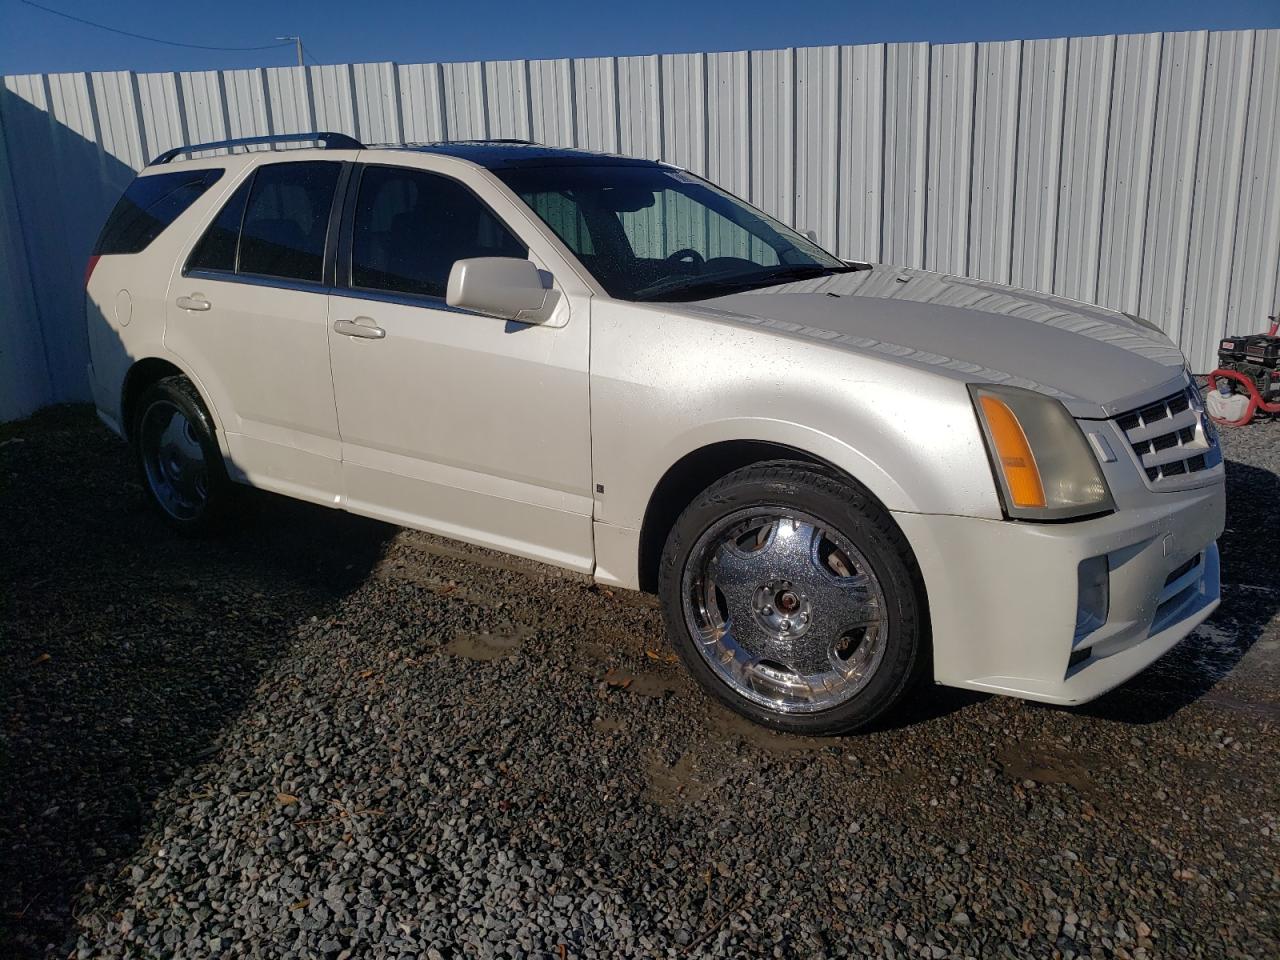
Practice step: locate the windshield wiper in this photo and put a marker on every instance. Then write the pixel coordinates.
(699, 288)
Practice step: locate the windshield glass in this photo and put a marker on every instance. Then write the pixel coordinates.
(658, 233)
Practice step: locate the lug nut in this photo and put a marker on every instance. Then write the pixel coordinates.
(788, 601)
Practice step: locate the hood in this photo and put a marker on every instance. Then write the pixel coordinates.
(1098, 362)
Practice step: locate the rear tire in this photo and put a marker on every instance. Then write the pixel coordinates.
(793, 598)
(178, 459)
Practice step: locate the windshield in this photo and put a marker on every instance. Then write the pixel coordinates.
(658, 233)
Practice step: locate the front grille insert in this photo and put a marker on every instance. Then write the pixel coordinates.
(1182, 592)
(1186, 568)
(1169, 438)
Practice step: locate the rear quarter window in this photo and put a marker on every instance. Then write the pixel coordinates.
(149, 205)
(217, 248)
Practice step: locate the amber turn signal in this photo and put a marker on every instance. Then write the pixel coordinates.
(1017, 462)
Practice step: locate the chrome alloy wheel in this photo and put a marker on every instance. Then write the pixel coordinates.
(173, 460)
(784, 609)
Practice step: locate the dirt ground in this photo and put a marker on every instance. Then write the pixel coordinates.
(319, 735)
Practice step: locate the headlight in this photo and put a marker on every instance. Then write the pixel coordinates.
(1041, 460)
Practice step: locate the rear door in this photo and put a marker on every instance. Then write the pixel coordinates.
(249, 314)
(462, 424)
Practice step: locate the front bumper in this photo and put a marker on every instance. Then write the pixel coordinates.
(1004, 595)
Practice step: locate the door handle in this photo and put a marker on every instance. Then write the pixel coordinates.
(194, 302)
(361, 327)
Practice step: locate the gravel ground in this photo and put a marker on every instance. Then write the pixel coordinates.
(321, 736)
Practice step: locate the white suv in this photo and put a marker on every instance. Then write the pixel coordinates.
(838, 477)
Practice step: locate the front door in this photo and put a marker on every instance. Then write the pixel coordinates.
(464, 425)
(249, 315)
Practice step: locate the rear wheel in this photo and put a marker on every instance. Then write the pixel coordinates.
(178, 457)
(792, 597)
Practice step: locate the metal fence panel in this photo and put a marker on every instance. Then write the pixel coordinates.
(1127, 184)
(859, 182)
(1038, 163)
(1216, 191)
(905, 146)
(997, 96)
(1087, 112)
(1140, 172)
(25, 380)
(950, 157)
(1255, 244)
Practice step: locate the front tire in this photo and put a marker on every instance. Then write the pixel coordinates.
(793, 598)
(178, 459)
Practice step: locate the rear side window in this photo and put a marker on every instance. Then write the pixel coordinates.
(410, 226)
(286, 220)
(148, 206)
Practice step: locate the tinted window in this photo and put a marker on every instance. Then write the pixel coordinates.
(287, 219)
(217, 248)
(410, 227)
(148, 206)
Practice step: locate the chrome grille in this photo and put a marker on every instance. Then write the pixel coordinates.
(1170, 439)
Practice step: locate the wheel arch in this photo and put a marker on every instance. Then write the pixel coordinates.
(144, 372)
(697, 470)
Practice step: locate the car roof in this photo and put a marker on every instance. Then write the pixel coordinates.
(506, 154)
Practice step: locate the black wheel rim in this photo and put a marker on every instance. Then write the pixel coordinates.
(173, 460)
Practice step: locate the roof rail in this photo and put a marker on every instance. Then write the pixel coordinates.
(326, 138)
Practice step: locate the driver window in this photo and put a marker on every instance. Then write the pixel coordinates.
(410, 226)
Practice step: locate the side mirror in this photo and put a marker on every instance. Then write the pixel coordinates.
(504, 287)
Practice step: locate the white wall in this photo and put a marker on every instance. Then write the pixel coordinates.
(1141, 172)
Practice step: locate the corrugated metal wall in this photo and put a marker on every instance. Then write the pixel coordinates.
(1140, 172)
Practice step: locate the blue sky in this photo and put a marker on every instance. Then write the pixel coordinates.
(337, 31)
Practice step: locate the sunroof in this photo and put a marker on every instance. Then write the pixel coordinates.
(505, 153)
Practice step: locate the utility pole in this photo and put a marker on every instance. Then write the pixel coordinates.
(297, 42)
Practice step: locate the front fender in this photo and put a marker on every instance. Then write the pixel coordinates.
(920, 453)
(817, 444)
(666, 382)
